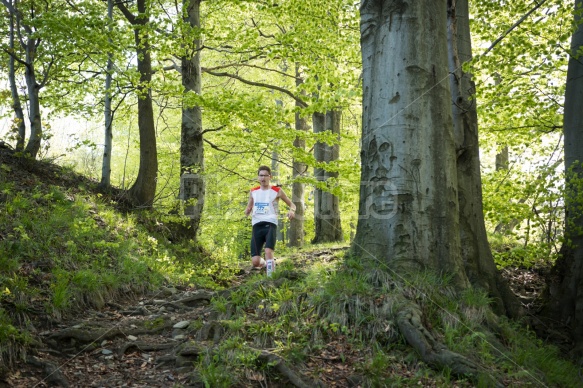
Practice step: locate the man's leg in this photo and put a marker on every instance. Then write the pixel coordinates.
(270, 240)
(257, 241)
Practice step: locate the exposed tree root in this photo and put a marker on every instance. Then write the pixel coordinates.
(297, 379)
(196, 299)
(88, 335)
(53, 374)
(431, 351)
(143, 346)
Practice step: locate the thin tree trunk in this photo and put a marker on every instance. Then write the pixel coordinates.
(16, 105)
(191, 142)
(143, 190)
(36, 131)
(108, 138)
(476, 253)
(29, 45)
(328, 227)
(502, 159)
(296, 228)
(275, 178)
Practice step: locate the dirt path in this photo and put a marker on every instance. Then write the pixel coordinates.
(153, 341)
(131, 345)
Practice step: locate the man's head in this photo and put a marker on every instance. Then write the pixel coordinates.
(264, 175)
(266, 169)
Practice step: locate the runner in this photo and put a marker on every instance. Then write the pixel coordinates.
(263, 205)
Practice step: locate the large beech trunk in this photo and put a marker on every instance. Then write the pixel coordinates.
(476, 253)
(408, 210)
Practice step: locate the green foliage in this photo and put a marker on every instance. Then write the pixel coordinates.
(213, 373)
(13, 341)
(343, 300)
(533, 360)
(520, 85)
(526, 216)
(62, 249)
(66, 249)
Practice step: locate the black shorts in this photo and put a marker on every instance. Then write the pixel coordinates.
(263, 233)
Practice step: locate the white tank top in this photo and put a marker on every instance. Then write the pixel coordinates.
(265, 205)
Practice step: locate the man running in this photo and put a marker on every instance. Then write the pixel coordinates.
(263, 205)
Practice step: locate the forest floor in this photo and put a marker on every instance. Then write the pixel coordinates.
(142, 342)
(150, 340)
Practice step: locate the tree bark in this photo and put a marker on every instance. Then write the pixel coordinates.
(275, 178)
(328, 227)
(476, 254)
(565, 291)
(108, 115)
(29, 45)
(16, 105)
(143, 190)
(280, 235)
(296, 227)
(36, 131)
(191, 142)
(408, 209)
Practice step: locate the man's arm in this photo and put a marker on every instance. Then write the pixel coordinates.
(249, 207)
(292, 207)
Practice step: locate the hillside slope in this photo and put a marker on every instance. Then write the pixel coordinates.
(94, 295)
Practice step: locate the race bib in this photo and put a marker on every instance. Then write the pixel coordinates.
(261, 208)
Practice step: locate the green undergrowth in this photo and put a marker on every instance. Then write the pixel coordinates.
(509, 251)
(65, 249)
(318, 308)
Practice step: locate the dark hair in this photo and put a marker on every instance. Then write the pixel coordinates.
(263, 168)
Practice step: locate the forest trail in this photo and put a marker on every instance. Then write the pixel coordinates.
(154, 341)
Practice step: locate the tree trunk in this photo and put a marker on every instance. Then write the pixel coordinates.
(502, 159)
(566, 284)
(29, 44)
(328, 227)
(36, 131)
(296, 227)
(16, 105)
(476, 254)
(191, 142)
(108, 116)
(143, 190)
(408, 209)
(280, 235)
